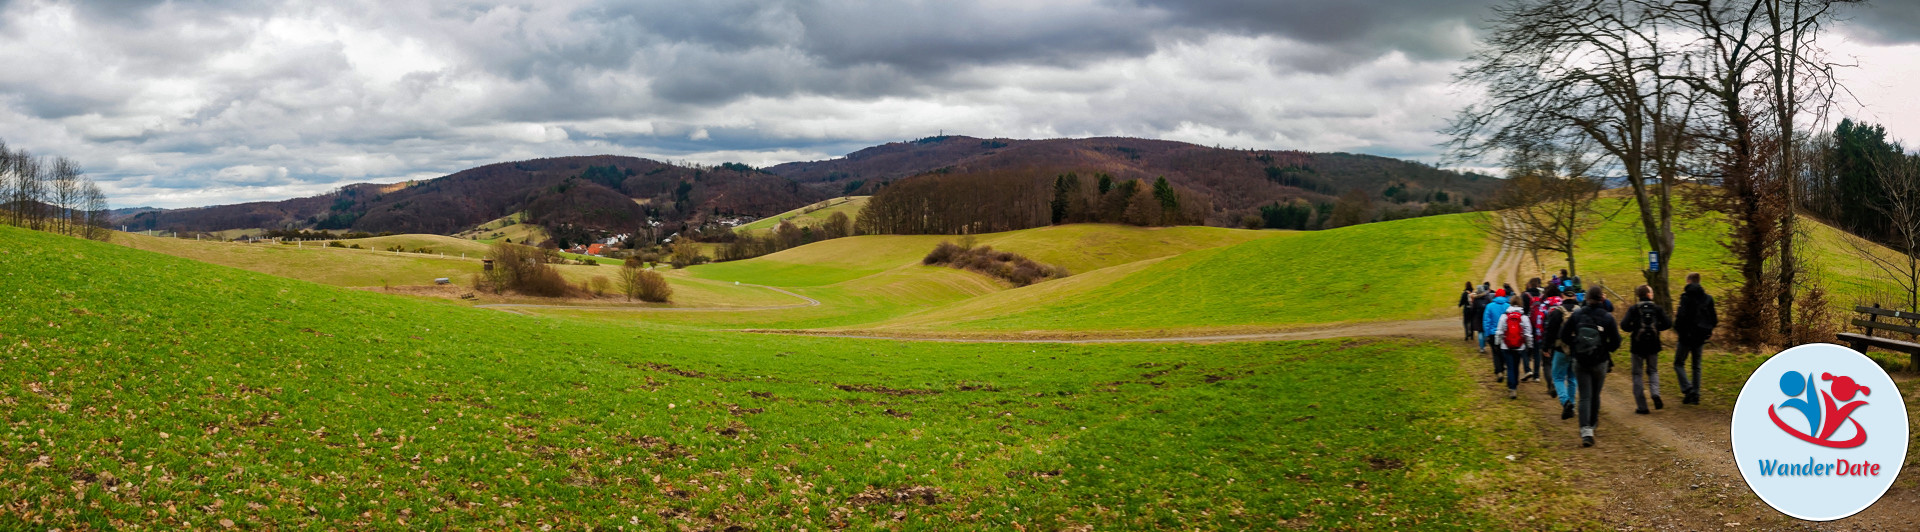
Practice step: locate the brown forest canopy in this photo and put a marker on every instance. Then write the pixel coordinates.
(1240, 187)
(1005, 200)
(1238, 183)
(602, 192)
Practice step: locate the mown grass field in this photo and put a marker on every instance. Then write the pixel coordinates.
(148, 389)
(1615, 252)
(506, 227)
(813, 215)
(1371, 272)
(869, 279)
(313, 261)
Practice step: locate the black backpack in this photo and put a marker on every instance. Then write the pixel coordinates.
(1553, 337)
(1647, 319)
(1587, 346)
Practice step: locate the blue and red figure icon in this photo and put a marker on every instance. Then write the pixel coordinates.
(1824, 416)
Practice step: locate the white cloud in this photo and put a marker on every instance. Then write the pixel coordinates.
(181, 104)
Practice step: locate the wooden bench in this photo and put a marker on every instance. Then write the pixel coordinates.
(1908, 323)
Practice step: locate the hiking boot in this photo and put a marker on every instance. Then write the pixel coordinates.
(1693, 398)
(1641, 411)
(1566, 411)
(1586, 441)
(1513, 394)
(1657, 404)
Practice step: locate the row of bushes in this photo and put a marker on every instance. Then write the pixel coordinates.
(1012, 267)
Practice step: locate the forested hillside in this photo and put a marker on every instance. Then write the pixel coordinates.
(1239, 185)
(603, 193)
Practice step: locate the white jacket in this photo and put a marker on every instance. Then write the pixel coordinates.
(1526, 328)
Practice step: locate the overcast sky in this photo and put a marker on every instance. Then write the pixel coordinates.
(175, 104)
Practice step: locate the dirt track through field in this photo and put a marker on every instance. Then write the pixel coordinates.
(510, 307)
(1670, 469)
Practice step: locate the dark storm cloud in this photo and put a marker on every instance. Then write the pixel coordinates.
(1423, 29)
(183, 102)
(1886, 22)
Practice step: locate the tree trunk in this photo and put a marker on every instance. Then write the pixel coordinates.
(1784, 109)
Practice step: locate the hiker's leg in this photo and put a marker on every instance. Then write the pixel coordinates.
(1695, 380)
(1653, 373)
(1599, 381)
(1688, 350)
(1563, 377)
(1589, 394)
(1639, 395)
(1513, 367)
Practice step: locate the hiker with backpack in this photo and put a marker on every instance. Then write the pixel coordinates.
(1466, 310)
(1530, 361)
(1644, 322)
(1561, 377)
(1514, 332)
(1693, 322)
(1489, 322)
(1548, 300)
(1477, 314)
(1591, 335)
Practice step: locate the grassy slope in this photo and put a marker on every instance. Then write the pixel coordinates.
(312, 261)
(499, 228)
(868, 279)
(801, 217)
(1615, 252)
(174, 394)
(411, 242)
(360, 267)
(1381, 271)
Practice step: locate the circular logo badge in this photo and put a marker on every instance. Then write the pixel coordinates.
(1819, 432)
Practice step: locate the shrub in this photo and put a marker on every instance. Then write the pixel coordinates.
(653, 287)
(984, 260)
(942, 254)
(598, 285)
(686, 254)
(524, 270)
(336, 244)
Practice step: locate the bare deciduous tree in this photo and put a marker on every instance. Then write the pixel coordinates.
(1757, 67)
(97, 215)
(1900, 177)
(64, 193)
(1593, 73)
(29, 191)
(1547, 202)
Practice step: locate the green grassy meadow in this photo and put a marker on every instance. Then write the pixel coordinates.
(154, 390)
(1372, 272)
(809, 216)
(1616, 251)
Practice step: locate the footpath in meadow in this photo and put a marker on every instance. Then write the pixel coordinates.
(1670, 470)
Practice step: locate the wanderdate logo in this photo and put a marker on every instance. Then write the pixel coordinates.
(1819, 432)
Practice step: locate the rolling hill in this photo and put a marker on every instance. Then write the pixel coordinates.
(810, 216)
(161, 392)
(573, 197)
(1237, 182)
(596, 193)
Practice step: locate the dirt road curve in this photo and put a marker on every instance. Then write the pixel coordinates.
(1443, 328)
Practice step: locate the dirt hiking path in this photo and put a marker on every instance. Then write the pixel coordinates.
(805, 302)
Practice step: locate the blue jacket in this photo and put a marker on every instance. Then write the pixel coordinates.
(1491, 319)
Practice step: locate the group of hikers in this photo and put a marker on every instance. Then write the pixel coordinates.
(1569, 332)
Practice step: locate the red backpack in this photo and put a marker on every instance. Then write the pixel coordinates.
(1515, 339)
